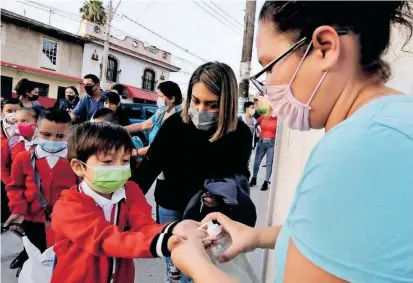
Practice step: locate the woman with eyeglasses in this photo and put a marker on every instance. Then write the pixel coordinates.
(205, 141)
(351, 218)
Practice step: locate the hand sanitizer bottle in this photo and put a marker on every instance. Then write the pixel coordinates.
(238, 268)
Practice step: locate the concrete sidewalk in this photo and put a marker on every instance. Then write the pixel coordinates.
(146, 270)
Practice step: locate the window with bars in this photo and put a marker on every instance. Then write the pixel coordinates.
(50, 51)
(112, 71)
(148, 82)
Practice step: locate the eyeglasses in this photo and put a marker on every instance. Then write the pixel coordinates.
(260, 85)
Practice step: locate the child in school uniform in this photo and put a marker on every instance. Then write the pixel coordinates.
(38, 177)
(26, 119)
(9, 106)
(105, 222)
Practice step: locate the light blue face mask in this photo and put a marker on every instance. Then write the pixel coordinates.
(51, 146)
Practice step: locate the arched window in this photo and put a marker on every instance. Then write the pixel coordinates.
(148, 82)
(112, 73)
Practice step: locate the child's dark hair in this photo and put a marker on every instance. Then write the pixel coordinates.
(171, 89)
(370, 20)
(89, 139)
(248, 104)
(106, 115)
(55, 115)
(13, 101)
(31, 110)
(112, 97)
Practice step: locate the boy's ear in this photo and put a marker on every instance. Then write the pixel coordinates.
(77, 167)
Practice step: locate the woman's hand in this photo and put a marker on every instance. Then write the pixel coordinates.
(244, 238)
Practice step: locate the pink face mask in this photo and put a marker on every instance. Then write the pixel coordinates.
(287, 107)
(25, 129)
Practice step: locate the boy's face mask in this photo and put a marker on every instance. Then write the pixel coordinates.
(108, 179)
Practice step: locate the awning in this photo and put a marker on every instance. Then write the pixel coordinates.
(140, 93)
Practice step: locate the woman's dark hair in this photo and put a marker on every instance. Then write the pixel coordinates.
(370, 20)
(74, 90)
(171, 89)
(23, 87)
(89, 139)
(112, 98)
(220, 79)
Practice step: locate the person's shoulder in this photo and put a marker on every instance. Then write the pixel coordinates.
(133, 192)
(23, 156)
(242, 129)
(175, 120)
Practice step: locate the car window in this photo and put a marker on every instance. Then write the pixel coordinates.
(133, 112)
(149, 112)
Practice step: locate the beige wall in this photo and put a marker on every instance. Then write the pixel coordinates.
(53, 82)
(24, 47)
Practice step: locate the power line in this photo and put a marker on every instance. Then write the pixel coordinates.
(224, 17)
(77, 18)
(236, 31)
(146, 8)
(114, 12)
(227, 14)
(160, 36)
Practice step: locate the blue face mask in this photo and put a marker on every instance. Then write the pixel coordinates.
(51, 146)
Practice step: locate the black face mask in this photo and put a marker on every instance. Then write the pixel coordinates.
(89, 89)
(33, 98)
(70, 98)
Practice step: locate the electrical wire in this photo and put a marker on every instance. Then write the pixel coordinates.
(216, 5)
(234, 30)
(223, 17)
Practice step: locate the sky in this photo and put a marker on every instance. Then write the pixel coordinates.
(182, 21)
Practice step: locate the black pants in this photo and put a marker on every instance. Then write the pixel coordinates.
(5, 211)
(36, 233)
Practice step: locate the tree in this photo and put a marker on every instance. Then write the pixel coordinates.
(94, 11)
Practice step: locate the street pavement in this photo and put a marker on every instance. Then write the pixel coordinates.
(146, 270)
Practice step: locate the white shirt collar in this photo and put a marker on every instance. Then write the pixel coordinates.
(7, 125)
(27, 144)
(117, 196)
(41, 153)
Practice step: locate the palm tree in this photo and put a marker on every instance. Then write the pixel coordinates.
(93, 11)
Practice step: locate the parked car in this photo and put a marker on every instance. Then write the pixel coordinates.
(138, 113)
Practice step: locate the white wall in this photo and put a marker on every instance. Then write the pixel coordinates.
(132, 68)
(294, 147)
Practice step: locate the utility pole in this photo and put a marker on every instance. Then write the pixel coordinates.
(245, 66)
(106, 46)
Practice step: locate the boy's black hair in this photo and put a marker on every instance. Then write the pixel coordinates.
(13, 101)
(106, 115)
(248, 104)
(55, 115)
(93, 77)
(112, 98)
(31, 110)
(88, 139)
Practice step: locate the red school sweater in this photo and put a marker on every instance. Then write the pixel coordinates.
(7, 157)
(22, 190)
(90, 249)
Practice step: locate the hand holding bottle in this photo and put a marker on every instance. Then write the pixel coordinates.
(244, 238)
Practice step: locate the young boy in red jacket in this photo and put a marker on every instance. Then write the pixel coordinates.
(105, 222)
(26, 119)
(39, 176)
(9, 106)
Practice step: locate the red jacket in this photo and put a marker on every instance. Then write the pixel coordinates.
(22, 190)
(7, 156)
(87, 245)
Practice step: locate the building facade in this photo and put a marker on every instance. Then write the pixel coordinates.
(50, 57)
(138, 67)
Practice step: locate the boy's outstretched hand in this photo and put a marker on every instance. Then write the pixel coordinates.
(187, 228)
